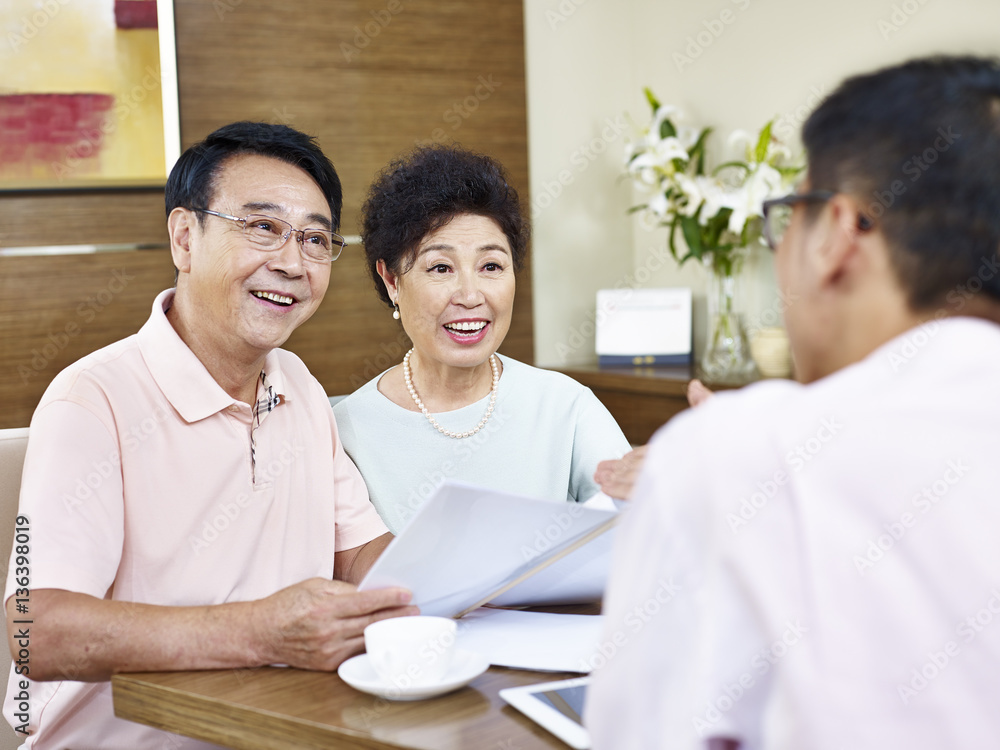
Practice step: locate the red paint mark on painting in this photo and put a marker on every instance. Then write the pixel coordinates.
(135, 14)
(50, 134)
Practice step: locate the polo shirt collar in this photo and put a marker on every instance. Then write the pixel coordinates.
(181, 376)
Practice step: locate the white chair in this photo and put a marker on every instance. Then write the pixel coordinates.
(13, 444)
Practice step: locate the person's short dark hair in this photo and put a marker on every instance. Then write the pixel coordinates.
(919, 145)
(421, 192)
(191, 183)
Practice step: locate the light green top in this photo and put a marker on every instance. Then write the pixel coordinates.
(544, 439)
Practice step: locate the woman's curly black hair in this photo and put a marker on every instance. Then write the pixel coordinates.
(421, 192)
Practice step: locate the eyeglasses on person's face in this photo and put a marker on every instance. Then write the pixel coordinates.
(266, 233)
(778, 213)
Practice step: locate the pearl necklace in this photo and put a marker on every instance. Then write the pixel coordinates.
(430, 417)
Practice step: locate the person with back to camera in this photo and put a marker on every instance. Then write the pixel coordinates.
(443, 234)
(832, 544)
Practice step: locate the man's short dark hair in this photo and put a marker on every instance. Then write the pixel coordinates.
(192, 180)
(919, 145)
(423, 191)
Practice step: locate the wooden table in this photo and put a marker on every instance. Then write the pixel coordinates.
(272, 707)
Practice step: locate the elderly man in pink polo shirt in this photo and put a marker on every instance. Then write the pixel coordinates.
(189, 502)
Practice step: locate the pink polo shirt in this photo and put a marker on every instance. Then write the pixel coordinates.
(140, 485)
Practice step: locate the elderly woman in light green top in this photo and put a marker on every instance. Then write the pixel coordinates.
(443, 234)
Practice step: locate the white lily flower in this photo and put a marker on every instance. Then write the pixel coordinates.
(763, 183)
(645, 160)
(649, 177)
(643, 167)
(692, 191)
(669, 149)
(717, 197)
(658, 205)
(662, 169)
(663, 113)
(738, 218)
(688, 136)
(742, 138)
(778, 152)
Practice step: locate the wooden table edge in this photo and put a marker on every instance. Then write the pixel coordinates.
(133, 705)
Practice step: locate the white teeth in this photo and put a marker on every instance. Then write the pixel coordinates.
(466, 326)
(279, 299)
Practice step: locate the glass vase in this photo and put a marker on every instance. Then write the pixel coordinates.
(726, 359)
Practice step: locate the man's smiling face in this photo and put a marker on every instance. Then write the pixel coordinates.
(247, 300)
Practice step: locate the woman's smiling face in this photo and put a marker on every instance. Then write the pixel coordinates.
(456, 300)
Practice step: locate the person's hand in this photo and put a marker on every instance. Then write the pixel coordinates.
(697, 393)
(318, 623)
(617, 476)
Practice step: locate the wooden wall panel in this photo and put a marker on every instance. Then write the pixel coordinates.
(93, 217)
(369, 78)
(56, 309)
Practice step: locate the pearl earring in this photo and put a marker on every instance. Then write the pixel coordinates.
(395, 311)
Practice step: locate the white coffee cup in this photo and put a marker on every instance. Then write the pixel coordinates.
(411, 651)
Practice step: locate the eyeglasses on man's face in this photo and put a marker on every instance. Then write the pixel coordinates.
(267, 233)
(778, 213)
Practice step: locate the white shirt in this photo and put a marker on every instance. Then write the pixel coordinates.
(817, 566)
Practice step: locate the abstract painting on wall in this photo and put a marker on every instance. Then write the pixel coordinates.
(88, 93)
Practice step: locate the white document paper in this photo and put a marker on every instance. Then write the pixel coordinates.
(579, 577)
(466, 542)
(532, 640)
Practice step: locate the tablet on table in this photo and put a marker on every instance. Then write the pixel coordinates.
(557, 706)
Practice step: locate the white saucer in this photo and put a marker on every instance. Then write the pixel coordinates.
(359, 673)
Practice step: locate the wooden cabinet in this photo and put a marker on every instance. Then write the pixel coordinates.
(641, 399)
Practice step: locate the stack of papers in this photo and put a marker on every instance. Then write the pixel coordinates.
(532, 640)
(468, 543)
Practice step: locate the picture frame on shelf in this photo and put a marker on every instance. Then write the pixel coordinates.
(644, 327)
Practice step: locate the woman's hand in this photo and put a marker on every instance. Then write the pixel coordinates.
(697, 393)
(617, 476)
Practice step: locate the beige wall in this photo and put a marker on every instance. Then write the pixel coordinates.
(588, 61)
